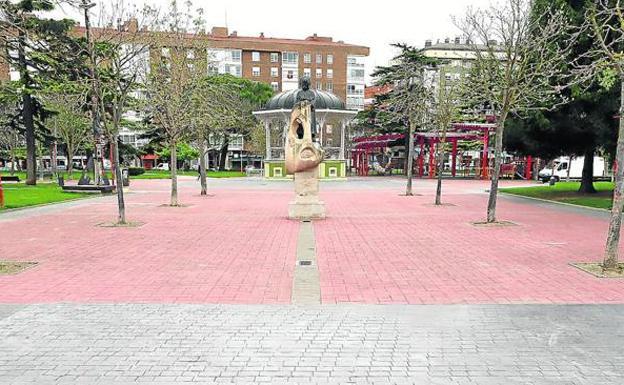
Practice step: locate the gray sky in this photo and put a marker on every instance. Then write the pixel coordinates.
(373, 24)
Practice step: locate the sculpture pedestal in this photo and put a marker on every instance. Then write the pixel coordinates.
(306, 205)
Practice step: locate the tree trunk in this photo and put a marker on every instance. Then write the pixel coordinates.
(223, 153)
(53, 159)
(202, 171)
(441, 153)
(31, 146)
(13, 159)
(174, 174)
(587, 180)
(498, 155)
(27, 113)
(70, 161)
(613, 237)
(121, 204)
(410, 159)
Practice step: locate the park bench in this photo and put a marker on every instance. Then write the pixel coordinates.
(10, 178)
(89, 189)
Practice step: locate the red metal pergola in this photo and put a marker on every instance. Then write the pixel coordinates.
(459, 132)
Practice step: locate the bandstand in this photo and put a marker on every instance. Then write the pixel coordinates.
(332, 120)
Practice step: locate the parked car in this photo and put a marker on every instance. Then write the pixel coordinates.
(562, 168)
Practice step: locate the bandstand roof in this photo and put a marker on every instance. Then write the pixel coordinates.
(286, 101)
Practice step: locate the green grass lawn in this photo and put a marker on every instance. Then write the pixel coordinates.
(150, 174)
(74, 176)
(18, 195)
(567, 192)
(162, 174)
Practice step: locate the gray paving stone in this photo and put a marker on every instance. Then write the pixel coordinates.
(129, 343)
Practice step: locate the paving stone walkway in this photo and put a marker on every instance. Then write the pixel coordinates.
(237, 247)
(350, 344)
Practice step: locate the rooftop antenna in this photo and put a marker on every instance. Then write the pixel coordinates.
(226, 23)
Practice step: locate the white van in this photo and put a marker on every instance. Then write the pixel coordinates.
(571, 167)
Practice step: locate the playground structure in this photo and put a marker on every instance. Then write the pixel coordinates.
(368, 151)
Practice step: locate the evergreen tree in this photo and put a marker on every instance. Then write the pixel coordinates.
(39, 49)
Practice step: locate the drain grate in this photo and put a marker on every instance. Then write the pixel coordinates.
(305, 263)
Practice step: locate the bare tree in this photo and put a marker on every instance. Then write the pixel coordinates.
(70, 122)
(411, 97)
(215, 107)
(604, 63)
(172, 85)
(123, 63)
(520, 53)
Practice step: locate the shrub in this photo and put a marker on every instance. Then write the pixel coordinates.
(135, 171)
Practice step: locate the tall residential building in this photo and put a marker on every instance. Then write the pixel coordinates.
(457, 54)
(332, 66)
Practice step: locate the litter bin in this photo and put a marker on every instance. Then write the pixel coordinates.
(125, 176)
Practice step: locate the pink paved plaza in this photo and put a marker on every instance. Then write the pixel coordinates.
(238, 247)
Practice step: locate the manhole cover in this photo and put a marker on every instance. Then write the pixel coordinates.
(305, 263)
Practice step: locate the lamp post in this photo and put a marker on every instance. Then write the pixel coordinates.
(95, 99)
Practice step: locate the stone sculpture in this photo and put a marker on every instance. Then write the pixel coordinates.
(303, 156)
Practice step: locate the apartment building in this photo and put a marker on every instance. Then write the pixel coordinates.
(333, 66)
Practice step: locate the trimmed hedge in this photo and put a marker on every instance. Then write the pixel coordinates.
(135, 171)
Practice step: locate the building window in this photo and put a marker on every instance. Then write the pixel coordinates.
(255, 56)
(319, 73)
(353, 89)
(307, 58)
(319, 86)
(290, 74)
(255, 71)
(236, 55)
(330, 59)
(274, 57)
(307, 72)
(290, 58)
(319, 58)
(330, 74)
(330, 86)
(356, 73)
(274, 72)
(275, 86)
(232, 69)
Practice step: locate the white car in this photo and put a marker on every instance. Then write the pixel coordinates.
(162, 166)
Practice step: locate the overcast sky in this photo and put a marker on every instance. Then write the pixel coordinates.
(374, 24)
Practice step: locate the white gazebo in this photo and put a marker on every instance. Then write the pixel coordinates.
(332, 119)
